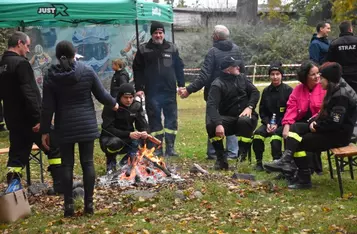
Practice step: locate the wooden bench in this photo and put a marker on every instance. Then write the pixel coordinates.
(35, 155)
(348, 152)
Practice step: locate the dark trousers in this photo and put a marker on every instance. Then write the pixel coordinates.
(21, 141)
(86, 160)
(275, 141)
(166, 104)
(301, 139)
(242, 127)
(2, 122)
(112, 146)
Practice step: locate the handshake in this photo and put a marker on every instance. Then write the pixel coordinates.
(182, 92)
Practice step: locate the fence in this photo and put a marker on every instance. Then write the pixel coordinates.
(256, 71)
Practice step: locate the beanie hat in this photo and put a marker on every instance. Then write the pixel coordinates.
(331, 71)
(229, 61)
(127, 89)
(276, 66)
(155, 25)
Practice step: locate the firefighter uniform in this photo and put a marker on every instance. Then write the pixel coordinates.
(273, 101)
(157, 68)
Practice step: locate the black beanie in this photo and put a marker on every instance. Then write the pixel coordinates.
(155, 25)
(276, 66)
(126, 89)
(331, 72)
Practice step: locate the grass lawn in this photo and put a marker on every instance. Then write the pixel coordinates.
(227, 205)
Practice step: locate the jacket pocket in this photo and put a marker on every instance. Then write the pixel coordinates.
(167, 59)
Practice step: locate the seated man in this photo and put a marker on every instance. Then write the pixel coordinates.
(273, 103)
(230, 110)
(118, 134)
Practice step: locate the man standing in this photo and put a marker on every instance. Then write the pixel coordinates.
(230, 109)
(22, 104)
(209, 71)
(343, 50)
(319, 43)
(157, 67)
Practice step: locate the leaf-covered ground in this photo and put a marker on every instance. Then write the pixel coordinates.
(213, 203)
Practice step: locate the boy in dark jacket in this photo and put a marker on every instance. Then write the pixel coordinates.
(118, 133)
(273, 101)
(120, 76)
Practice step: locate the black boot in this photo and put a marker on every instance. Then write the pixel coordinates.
(56, 174)
(68, 210)
(285, 163)
(88, 208)
(221, 162)
(111, 163)
(303, 180)
(259, 166)
(170, 145)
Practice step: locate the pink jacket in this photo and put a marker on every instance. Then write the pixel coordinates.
(299, 102)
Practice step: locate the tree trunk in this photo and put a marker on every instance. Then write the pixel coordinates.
(247, 11)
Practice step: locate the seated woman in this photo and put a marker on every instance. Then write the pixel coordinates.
(118, 134)
(304, 102)
(332, 127)
(273, 102)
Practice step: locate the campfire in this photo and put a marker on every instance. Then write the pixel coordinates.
(143, 167)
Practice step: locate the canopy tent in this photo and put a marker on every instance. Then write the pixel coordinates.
(22, 13)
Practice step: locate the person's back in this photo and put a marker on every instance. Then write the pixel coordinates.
(343, 50)
(18, 92)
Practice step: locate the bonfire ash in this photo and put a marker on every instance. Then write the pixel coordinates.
(143, 167)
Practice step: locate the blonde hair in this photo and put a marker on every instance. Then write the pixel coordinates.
(119, 62)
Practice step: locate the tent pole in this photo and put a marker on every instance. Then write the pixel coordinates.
(137, 33)
(172, 32)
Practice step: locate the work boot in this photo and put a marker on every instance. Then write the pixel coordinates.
(170, 145)
(111, 162)
(221, 162)
(56, 174)
(303, 180)
(68, 210)
(286, 162)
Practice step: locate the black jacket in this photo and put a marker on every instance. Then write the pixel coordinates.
(229, 96)
(68, 95)
(119, 78)
(340, 114)
(274, 100)
(210, 69)
(157, 68)
(121, 123)
(19, 92)
(343, 50)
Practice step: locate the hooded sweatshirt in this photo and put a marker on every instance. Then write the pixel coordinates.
(210, 69)
(68, 95)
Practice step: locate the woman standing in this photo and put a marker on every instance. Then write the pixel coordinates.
(67, 93)
(332, 127)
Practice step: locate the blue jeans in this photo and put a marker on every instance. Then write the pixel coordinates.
(231, 146)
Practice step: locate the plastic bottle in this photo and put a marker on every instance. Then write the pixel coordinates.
(14, 186)
(273, 120)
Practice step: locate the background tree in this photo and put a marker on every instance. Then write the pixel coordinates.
(247, 11)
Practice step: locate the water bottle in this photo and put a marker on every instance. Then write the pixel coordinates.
(14, 186)
(273, 120)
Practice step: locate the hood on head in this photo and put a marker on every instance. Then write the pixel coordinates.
(60, 76)
(224, 45)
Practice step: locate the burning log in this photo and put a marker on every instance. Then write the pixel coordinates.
(158, 166)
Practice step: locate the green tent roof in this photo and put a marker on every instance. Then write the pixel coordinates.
(14, 13)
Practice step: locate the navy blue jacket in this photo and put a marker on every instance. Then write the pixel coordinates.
(318, 49)
(68, 95)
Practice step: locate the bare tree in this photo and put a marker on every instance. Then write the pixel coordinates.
(247, 11)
